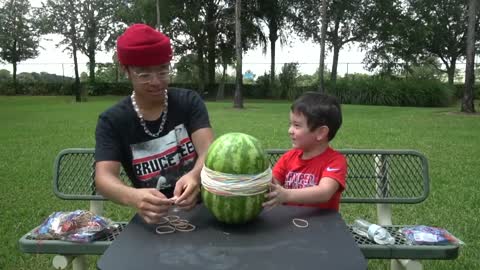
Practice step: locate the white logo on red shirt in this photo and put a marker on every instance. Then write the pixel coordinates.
(297, 180)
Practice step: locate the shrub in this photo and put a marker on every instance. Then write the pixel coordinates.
(376, 91)
(351, 90)
(460, 88)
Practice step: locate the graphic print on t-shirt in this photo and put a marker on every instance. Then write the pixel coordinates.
(163, 159)
(297, 180)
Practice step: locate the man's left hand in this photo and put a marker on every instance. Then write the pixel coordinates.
(186, 191)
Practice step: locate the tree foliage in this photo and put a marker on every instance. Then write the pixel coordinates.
(97, 25)
(347, 23)
(288, 79)
(63, 17)
(19, 36)
(274, 14)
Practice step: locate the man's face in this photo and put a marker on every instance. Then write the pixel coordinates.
(150, 82)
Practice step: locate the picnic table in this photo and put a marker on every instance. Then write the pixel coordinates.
(271, 241)
(377, 177)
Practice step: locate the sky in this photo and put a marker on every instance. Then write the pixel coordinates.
(53, 59)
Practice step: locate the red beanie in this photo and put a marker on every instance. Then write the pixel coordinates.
(141, 45)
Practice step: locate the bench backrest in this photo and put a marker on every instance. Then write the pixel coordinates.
(374, 176)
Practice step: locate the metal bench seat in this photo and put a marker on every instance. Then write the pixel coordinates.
(30, 245)
(371, 250)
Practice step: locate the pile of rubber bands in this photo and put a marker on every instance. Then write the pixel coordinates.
(171, 224)
(235, 184)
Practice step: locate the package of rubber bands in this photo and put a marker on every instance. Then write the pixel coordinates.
(76, 226)
(426, 235)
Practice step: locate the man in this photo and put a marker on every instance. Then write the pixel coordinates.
(159, 135)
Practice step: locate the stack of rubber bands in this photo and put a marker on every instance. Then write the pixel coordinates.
(235, 184)
(171, 224)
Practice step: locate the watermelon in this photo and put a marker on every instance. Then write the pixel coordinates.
(235, 153)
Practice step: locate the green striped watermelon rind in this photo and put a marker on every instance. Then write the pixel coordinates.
(227, 154)
(233, 209)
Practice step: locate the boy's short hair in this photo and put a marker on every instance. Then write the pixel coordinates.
(319, 110)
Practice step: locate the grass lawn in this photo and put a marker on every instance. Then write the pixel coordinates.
(35, 129)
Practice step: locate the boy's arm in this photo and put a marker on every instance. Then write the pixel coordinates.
(323, 192)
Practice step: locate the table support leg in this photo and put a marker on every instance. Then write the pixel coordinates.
(80, 263)
(405, 265)
(61, 262)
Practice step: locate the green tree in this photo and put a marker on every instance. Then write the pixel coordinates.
(5, 75)
(19, 38)
(346, 24)
(274, 14)
(186, 70)
(394, 40)
(97, 24)
(106, 72)
(288, 81)
(63, 17)
(446, 27)
(428, 69)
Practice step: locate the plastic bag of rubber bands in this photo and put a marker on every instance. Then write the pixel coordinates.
(76, 226)
(426, 235)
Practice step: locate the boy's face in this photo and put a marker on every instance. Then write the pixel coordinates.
(301, 135)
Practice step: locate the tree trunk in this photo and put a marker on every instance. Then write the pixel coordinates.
(78, 97)
(238, 99)
(451, 71)
(273, 40)
(201, 70)
(321, 85)
(91, 46)
(336, 52)
(76, 86)
(159, 25)
(91, 66)
(468, 94)
(211, 42)
(13, 8)
(221, 86)
(15, 90)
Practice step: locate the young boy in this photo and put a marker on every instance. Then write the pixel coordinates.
(312, 173)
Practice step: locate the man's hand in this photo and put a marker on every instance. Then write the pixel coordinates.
(277, 195)
(152, 205)
(186, 191)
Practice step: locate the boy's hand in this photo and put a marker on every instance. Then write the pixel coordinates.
(277, 195)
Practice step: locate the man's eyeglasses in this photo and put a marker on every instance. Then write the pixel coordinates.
(147, 77)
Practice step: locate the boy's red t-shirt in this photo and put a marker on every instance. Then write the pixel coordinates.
(293, 172)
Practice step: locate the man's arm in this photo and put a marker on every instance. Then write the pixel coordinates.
(150, 203)
(108, 183)
(188, 186)
(201, 139)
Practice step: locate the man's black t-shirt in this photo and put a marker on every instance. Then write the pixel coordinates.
(152, 161)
